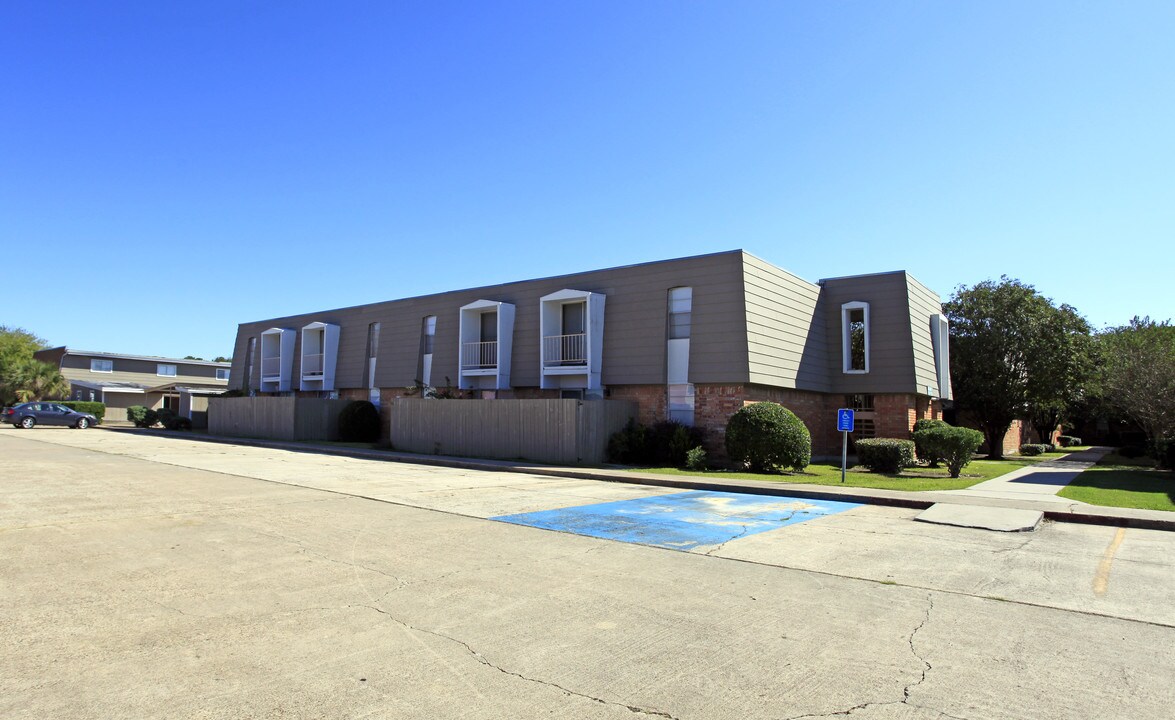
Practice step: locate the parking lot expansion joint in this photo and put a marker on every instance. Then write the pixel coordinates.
(485, 661)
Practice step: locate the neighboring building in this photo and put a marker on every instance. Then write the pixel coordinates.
(121, 381)
(691, 339)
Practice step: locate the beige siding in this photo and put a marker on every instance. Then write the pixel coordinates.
(891, 355)
(923, 304)
(635, 326)
(140, 372)
(785, 336)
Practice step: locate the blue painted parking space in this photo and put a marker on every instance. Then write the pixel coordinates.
(681, 521)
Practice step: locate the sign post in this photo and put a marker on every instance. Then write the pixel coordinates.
(844, 423)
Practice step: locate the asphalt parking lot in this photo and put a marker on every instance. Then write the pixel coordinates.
(152, 577)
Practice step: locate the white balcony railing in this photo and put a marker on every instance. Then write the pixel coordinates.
(271, 367)
(312, 364)
(565, 350)
(479, 355)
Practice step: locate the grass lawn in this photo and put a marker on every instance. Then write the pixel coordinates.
(1124, 482)
(917, 478)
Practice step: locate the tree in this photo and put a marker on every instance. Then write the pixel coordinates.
(1014, 353)
(1138, 377)
(38, 380)
(1060, 371)
(221, 358)
(23, 378)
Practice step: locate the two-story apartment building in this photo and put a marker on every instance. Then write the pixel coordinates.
(691, 339)
(121, 381)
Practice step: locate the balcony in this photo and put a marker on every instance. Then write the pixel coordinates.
(486, 335)
(277, 359)
(565, 350)
(320, 349)
(571, 336)
(479, 355)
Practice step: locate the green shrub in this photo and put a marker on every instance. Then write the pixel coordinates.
(627, 446)
(165, 416)
(177, 422)
(142, 416)
(885, 455)
(766, 436)
(695, 459)
(924, 452)
(954, 445)
(1068, 440)
(359, 422)
(96, 409)
(665, 444)
(1030, 449)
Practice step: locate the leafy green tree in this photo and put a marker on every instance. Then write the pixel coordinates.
(1013, 353)
(1138, 377)
(1061, 369)
(23, 378)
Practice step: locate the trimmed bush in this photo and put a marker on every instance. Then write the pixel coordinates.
(96, 409)
(1068, 440)
(954, 445)
(143, 417)
(1030, 449)
(359, 422)
(766, 436)
(924, 452)
(885, 455)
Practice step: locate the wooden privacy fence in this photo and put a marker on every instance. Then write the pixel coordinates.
(275, 418)
(552, 431)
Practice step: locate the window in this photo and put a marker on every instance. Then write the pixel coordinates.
(854, 323)
(860, 403)
(372, 352)
(430, 333)
(680, 305)
(571, 394)
(91, 396)
(103, 366)
(222, 373)
(165, 370)
(681, 403)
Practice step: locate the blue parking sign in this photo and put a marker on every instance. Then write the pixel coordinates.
(844, 420)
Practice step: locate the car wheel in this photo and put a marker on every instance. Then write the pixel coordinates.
(28, 423)
(83, 423)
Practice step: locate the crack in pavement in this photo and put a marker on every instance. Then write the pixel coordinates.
(482, 659)
(927, 667)
(745, 529)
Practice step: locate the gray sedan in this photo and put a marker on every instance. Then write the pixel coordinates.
(31, 414)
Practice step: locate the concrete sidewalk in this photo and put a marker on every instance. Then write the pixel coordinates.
(1038, 483)
(1058, 509)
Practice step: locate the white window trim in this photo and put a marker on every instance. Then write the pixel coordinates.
(94, 361)
(845, 340)
(222, 370)
(159, 370)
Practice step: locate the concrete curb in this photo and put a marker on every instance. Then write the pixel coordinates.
(1073, 513)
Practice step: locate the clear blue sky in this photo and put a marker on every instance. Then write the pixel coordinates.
(168, 170)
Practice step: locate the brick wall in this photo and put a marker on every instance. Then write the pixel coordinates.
(653, 400)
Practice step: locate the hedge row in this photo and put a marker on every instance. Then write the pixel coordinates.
(96, 409)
